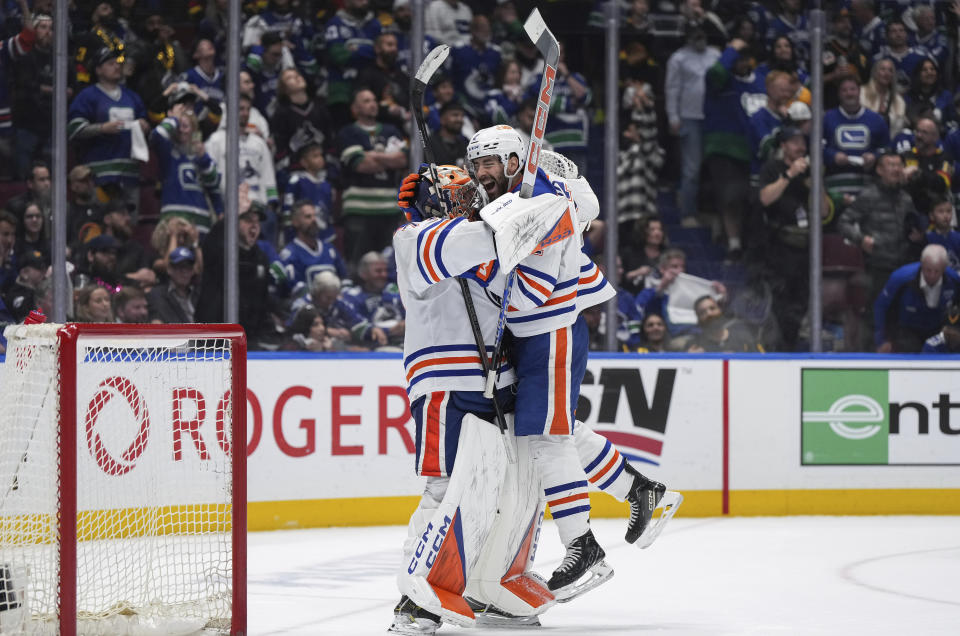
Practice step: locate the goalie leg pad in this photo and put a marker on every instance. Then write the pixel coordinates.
(449, 546)
(504, 582)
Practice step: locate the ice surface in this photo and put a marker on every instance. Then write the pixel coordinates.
(783, 575)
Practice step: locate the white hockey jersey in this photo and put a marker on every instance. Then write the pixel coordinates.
(555, 284)
(439, 352)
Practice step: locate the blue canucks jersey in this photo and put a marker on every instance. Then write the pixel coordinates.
(212, 86)
(474, 74)
(301, 263)
(107, 156)
(317, 190)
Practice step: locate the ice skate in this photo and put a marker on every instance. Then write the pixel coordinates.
(645, 497)
(410, 618)
(493, 617)
(582, 569)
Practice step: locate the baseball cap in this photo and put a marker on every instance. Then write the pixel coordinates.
(789, 132)
(799, 111)
(257, 208)
(102, 242)
(182, 255)
(33, 259)
(106, 54)
(182, 94)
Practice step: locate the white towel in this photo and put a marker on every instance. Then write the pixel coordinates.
(138, 142)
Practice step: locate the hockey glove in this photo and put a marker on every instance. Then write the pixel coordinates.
(407, 195)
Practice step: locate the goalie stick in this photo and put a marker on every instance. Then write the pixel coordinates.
(547, 44)
(428, 68)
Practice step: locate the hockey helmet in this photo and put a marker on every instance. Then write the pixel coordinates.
(455, 193)
(500, 141)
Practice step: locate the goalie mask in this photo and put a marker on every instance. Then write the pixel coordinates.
(456, 194)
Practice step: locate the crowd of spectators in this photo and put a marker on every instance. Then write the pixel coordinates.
(715, 111)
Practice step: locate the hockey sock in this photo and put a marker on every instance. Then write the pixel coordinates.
(556, 462)
(603, 464)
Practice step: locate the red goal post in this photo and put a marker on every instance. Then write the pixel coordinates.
(123, 479)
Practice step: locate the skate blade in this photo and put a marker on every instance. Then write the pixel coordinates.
(498, 621)
(669, 503)
(413, 627)
(595, 576)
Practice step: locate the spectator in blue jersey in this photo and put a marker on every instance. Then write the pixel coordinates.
(299, 121)
(501, 103)
(909, 309)
(568, 125)
(732, 85)
(782, 57)
(880, 94)
(306, 255)
(474, 65)
(205, 74)
(371, 154)
(941, 230)
(927, 94)
(107, 126)
(853, 134)
(388, 82)
(189, 176)
(265, 62)
(324, 295)
(791, 22)
(928, 168)
(869, 26)
(175, 299)
(948, 339)
(373, 309)
(442, 92)
(766, 121)
(448, 21)
(448, 144)
(905, 58)
(310, 183)
(927, 37)
(349, 39)
(278, 17)
(8, 257)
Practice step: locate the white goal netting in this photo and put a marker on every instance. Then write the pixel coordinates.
(153, 482)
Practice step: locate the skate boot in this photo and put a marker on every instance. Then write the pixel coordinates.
(584, 557)
(410, 618)
(644, 496)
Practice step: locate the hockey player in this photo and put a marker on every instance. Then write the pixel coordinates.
(550, 354)
(444, 382)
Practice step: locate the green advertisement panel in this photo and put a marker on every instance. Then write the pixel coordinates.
(845, 418)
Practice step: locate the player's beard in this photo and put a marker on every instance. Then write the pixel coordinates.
(495, 186)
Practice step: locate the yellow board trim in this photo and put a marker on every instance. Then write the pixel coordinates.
(375, 511)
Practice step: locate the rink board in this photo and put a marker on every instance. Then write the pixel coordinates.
(330, 440)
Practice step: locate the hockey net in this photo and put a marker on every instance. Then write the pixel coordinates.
(122, 480)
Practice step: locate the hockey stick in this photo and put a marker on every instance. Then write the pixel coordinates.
(428, 68)
(549, 48)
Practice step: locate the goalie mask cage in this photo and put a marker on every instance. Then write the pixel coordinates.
(122, 480)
